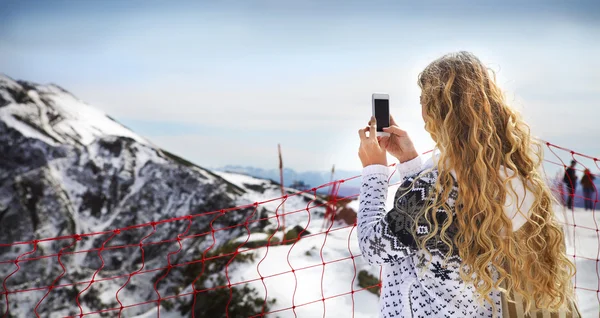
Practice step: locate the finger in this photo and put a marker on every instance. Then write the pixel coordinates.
(392, 121)
(361, 134)
(383, 141)
(373, 127)
(395, 130)
(366, 132)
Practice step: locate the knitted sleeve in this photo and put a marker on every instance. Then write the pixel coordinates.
(383, 236)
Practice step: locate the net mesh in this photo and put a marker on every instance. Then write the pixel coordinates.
(312, 269)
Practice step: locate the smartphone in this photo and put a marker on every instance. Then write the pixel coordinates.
(381, 111)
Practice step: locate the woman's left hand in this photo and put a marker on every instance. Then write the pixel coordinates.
(369, 152)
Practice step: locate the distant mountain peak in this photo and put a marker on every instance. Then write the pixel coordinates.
(53, 112)
(67, 168)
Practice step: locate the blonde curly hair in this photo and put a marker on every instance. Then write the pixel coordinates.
(477, 135)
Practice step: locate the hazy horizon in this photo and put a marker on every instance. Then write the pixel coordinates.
(222, 83)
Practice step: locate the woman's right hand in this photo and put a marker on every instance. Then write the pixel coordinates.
(398, 144)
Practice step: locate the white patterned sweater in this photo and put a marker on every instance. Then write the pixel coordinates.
(410, 286)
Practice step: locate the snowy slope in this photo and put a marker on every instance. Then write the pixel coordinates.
(337, 244)
(337, 277)
(67, 168)
(58, 114)
(584, 242)
(259, 190)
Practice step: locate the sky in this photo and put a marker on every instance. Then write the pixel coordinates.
(223, 82)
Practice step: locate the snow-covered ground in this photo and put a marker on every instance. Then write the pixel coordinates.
(339, 278)
(311, 281)
(586, 248)
(334, 278)
(294, 207)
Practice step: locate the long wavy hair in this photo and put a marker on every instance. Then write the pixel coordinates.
(478, 135)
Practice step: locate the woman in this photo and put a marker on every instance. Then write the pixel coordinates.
(475, 218)
(587, 182)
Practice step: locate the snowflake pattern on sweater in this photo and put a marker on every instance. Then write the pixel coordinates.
(411, 285)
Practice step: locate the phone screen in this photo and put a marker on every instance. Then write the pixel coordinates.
(382, 113)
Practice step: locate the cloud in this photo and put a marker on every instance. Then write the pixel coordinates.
(229, 82)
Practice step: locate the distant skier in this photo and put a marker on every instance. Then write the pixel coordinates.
(570, 179)
(587, 182)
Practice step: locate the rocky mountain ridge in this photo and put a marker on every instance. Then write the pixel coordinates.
(66, 168)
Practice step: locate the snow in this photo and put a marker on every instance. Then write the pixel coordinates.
(9, 82)
(6, 113)
(80, 122)
(294, 205)
(240, 179)
(336, 278)
(586, 244)
(253, 237)
(354, 204)
(86, 123)
(154, 313)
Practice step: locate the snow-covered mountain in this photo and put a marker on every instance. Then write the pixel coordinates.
(67, 168)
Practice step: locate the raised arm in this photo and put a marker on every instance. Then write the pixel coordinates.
(385, 237)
